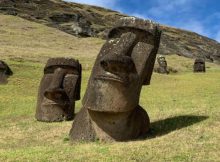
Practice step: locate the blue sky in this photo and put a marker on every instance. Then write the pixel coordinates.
(200, 16)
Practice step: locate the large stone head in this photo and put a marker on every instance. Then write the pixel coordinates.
(59, 89)
(162, 65)
(199, 65)
(5, 72)
(162, 61)
(123, 66)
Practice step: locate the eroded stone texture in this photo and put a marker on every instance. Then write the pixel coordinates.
(162, 69)
(199, 65)
(5, 72)
(111, 110)
(59, 89)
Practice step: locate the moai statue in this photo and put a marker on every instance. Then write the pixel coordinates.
(216, 58)
(59, 89)
(111, 110)
(5, 72)
(199, 65)
(162, 65)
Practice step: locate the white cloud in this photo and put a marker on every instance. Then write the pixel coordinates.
(179, 13)
(162, 7)
(195, 26)
(101, 3)
(138, 15)
(176, 13)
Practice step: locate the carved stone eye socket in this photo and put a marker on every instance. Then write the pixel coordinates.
(104, 64)
(123, 64)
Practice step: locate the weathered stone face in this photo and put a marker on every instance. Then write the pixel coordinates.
(162, 65)
(59, 89)
(162, 61)
(5, 72)
(124, 64)
(199, 65)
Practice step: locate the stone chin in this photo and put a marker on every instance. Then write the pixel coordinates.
(112, 96)
(54, 112)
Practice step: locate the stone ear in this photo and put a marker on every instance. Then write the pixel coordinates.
(149, 68)
(151, 59)
(78, 84)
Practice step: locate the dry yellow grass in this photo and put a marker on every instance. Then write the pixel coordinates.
(25, 40)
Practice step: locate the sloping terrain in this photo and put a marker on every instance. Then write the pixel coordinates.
(183, 107)
(90, 21)
(73, 18)
(23, 40)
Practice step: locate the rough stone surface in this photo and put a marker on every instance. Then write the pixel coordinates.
(199, 65)
(162, 69)
(59, 89)
(5, 72)
(111, 110)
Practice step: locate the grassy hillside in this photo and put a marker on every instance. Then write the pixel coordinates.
(184, 108)
(92, 21)
(25, 40)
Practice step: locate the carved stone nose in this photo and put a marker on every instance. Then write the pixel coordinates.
(125, 44)
(57, 95)
(55, 91)
(117, 64)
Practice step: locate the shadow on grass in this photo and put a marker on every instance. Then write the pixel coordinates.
(163, 127)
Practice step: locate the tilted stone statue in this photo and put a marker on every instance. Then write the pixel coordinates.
(5, 72)
(111, 110)
(162, 65)
(59, 89)
(199, 65)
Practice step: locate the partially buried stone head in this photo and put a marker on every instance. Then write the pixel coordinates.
(59, 89)
(123, 66)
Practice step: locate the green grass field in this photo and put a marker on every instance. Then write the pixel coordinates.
(184, 108)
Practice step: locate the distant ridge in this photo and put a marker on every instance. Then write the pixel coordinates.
(91, 21)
